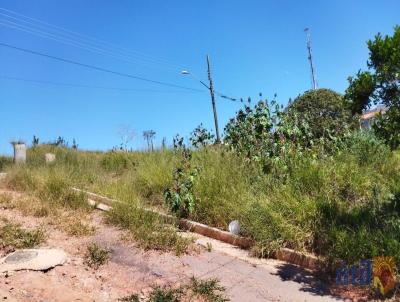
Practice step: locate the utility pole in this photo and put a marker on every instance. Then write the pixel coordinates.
(213, 99)
(310, 59)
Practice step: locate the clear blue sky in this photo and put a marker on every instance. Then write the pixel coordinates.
(255, 46)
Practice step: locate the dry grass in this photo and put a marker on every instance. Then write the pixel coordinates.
(73, 223)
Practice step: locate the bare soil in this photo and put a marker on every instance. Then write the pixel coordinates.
(133, 270)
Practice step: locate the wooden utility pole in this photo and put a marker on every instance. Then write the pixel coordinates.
(213, 100)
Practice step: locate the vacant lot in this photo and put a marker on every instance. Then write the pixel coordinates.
(343, 206)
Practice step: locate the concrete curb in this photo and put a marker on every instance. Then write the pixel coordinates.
(304, 260)
(215, 233)
(95, 197)
(288, 255)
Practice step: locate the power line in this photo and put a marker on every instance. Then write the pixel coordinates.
(50, 36)
(89, 86)
(80, 38)
(96, 67)
(76, 43)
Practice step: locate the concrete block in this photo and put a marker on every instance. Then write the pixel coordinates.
(19, 152)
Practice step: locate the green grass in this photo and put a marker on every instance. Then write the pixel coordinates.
(343, 206)
(148, 229)
(14, 236)
(209, 289)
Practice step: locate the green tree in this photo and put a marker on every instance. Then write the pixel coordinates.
(325, 111)
(380, 85)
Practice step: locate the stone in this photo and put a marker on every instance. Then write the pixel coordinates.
(32, 259)
(49, 158)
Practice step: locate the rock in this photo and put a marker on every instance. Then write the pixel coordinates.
(49, 158)
(234, 227)
(3, 175)
(32, 259)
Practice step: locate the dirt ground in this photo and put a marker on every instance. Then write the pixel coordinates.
(132, 270)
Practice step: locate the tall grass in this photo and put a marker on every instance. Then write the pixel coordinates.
(343, 206)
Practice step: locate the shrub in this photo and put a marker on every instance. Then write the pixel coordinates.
(201, 137)
(366, 147)
(325, 111)
(180, 198)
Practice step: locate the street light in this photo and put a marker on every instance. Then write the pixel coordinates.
(211, 89)
(186, 72)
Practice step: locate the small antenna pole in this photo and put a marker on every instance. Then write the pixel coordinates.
(310, 59)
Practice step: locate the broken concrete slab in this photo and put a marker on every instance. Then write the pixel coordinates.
(32, 259)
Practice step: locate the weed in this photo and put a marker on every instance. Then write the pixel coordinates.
(12, 235)
(96, 256)
(74, 225)
(130, 298)
(209, 247)
(165, 294)
(209, 289)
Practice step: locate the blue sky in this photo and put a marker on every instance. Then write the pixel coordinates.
(255, 46)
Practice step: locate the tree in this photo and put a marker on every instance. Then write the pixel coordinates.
(149, 135)
(324, 110)
(35, 141)
(126, 133)
(380, 85)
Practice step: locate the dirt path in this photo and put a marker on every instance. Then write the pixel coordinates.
(132, 270)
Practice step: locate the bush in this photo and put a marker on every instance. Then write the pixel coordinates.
(325, 111)
(366, 147)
